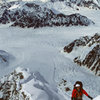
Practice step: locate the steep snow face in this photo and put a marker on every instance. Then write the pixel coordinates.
(23, 85)
(89, 48)
(5, 58)
(33, 15)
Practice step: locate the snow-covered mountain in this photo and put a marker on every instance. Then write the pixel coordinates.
(93, 4)
(85, 3)
(21, 84)
(75, 4)
(79, 1)
(24, 85)
(53, 72)
(33, 15)
(89, 48)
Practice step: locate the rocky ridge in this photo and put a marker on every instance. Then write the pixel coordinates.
(26, 14)
(10, 87)
(22, 84)
(90, 56)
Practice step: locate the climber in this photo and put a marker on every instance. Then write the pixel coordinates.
(78, 92)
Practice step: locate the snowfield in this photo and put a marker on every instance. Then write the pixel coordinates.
(97, 98)
(41, 50)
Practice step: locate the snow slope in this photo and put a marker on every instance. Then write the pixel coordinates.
(24, 85)
(97, 98)
(41, 50)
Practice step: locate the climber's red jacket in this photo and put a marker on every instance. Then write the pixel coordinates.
(75, 93)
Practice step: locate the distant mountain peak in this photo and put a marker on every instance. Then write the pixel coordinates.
(30, 14)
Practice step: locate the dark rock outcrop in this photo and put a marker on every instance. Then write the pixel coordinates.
(10, 87)
(33, 15)
(92, 58)
(77, 43)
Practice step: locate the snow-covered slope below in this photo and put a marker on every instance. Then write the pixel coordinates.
(97, 98)
(40, 50)
(24, 85)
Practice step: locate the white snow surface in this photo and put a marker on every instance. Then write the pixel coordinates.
(41, 50)
(97, 98)
(36, 87)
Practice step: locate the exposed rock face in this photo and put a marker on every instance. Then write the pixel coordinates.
(22, 84)
(4, 6)
(91, 59)
(33, 15)
(10, 87)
